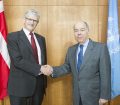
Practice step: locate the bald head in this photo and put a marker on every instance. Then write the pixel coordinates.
(81, 23)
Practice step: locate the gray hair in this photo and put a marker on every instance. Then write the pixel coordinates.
(31, 12)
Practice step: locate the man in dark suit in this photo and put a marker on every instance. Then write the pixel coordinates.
(89, 63)
(27, 49)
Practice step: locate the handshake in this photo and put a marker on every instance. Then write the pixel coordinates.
(46, 70)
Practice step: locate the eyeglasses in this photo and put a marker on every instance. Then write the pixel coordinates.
(36, 21)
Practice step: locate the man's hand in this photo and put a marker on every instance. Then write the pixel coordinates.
(46, 70)
(102, 101)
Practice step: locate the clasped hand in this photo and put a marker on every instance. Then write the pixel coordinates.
(46, 70)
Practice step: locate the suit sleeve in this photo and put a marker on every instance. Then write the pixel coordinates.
(63, 69)
(17, 59)
(105, 74)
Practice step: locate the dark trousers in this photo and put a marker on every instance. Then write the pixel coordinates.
(80, 102)
(36, 99)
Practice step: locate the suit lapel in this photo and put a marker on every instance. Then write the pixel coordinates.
(40, 42)
(25, 40)
(74, 53)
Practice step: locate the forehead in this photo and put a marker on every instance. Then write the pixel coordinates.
(80, 25)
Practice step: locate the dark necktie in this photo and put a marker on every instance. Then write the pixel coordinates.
(80, 57)
(34, 47)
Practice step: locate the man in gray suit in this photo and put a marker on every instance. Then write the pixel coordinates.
(89, 63)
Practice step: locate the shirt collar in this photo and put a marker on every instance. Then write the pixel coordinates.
(86, 43)
(27, 32)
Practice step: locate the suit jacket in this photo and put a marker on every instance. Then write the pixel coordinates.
(23, 69)
(93, 81)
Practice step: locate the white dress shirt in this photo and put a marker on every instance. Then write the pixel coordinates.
(27, 33)
(84, 48)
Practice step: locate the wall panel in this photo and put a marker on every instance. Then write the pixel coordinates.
(72, 2)
(25, 2)
(103, 23)
(118, 2)
(56, 24)
(102, 2)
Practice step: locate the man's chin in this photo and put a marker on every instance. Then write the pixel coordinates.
(81, 41)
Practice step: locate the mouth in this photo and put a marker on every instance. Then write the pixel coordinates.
(79, 37)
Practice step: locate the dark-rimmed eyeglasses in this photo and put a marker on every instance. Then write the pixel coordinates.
(29, 19)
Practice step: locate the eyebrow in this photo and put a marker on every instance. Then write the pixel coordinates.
(78, 28)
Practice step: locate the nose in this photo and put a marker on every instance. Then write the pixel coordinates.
(79, 33)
